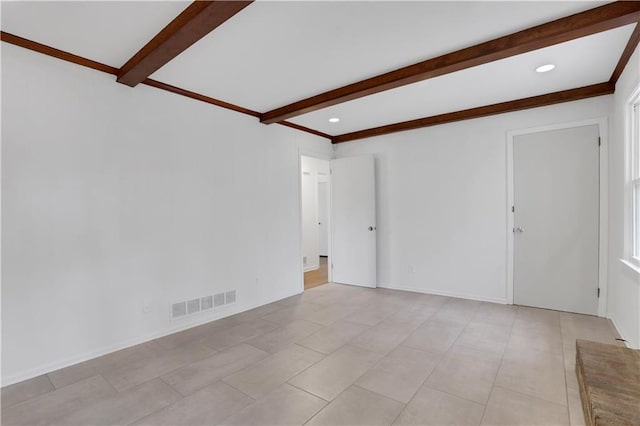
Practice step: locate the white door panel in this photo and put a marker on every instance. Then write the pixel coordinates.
(556, 197)
(353, 216)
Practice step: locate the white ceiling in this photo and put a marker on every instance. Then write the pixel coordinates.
(273, 53)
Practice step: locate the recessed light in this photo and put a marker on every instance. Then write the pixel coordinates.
(545, 68)
(334, 120)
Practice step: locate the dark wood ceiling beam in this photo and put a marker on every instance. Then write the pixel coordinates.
(305, 129)
(626, 54)
(56, 53)
(198, 97)
(195, 22)
(582, 24)
(483, 111)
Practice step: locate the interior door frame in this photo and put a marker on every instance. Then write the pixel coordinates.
(324, 157)
(603, 232)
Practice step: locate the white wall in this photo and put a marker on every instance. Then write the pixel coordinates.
(441, 200)
(624, 283)
(311, 168)
(113, 195)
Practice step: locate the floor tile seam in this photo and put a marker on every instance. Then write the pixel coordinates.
(94, 403)
(175, 389)
(435, 367)
(317, 411)
(352, 383)
(372, 391)
(53, 388)
(166, 373)
(495, 378)
(510, 389)
(506, 389)
(454, 395)
(56, 389)
(564, 370)
(180, 398)
(253, 399)
(304, 370)
(256, 363)
(306, 391)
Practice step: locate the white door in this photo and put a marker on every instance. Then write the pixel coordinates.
(323, 217)
(353, 217)
(556, 197)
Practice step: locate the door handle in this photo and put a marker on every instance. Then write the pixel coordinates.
(519, 230)
(372, 228)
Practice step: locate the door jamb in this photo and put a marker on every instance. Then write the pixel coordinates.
(324, 157)
(602, 124)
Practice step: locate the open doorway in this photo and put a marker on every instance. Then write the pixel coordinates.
(315, 198)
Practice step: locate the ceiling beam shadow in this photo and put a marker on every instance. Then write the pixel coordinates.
(585, 92)
(195, 22)
(579, 25)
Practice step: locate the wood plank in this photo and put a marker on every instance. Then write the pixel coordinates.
(483, 111)
(198, 97)
(609, 381)
(195, 22)
(56, 53)
(305, 129)
(626, 54)
(582, 24)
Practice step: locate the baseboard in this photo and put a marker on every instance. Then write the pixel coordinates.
(445, 293)
(622, 335)
(48, 368)
(312, 267)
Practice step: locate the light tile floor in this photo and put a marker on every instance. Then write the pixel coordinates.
(335, 355)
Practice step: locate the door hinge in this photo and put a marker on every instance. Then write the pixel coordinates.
(330, 171)
(513, 209)
(599, 141)
(598, 292)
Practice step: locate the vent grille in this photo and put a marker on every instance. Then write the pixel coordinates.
(206, 302)
(193, 306)
(178, 309)
(218, 300)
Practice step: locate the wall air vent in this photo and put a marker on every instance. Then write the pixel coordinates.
(218, 300)
(193, 306)
(206, 302)
(178, 309)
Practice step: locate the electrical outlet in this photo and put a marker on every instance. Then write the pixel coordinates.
(146, 306)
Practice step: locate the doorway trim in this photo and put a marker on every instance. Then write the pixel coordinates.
(603, 232)
(324, 157)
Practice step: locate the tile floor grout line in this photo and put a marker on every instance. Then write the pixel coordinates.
(222, 380)
(495, 378)
(306, 391)
(172, 387)
(421, 385)
(564, 371)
